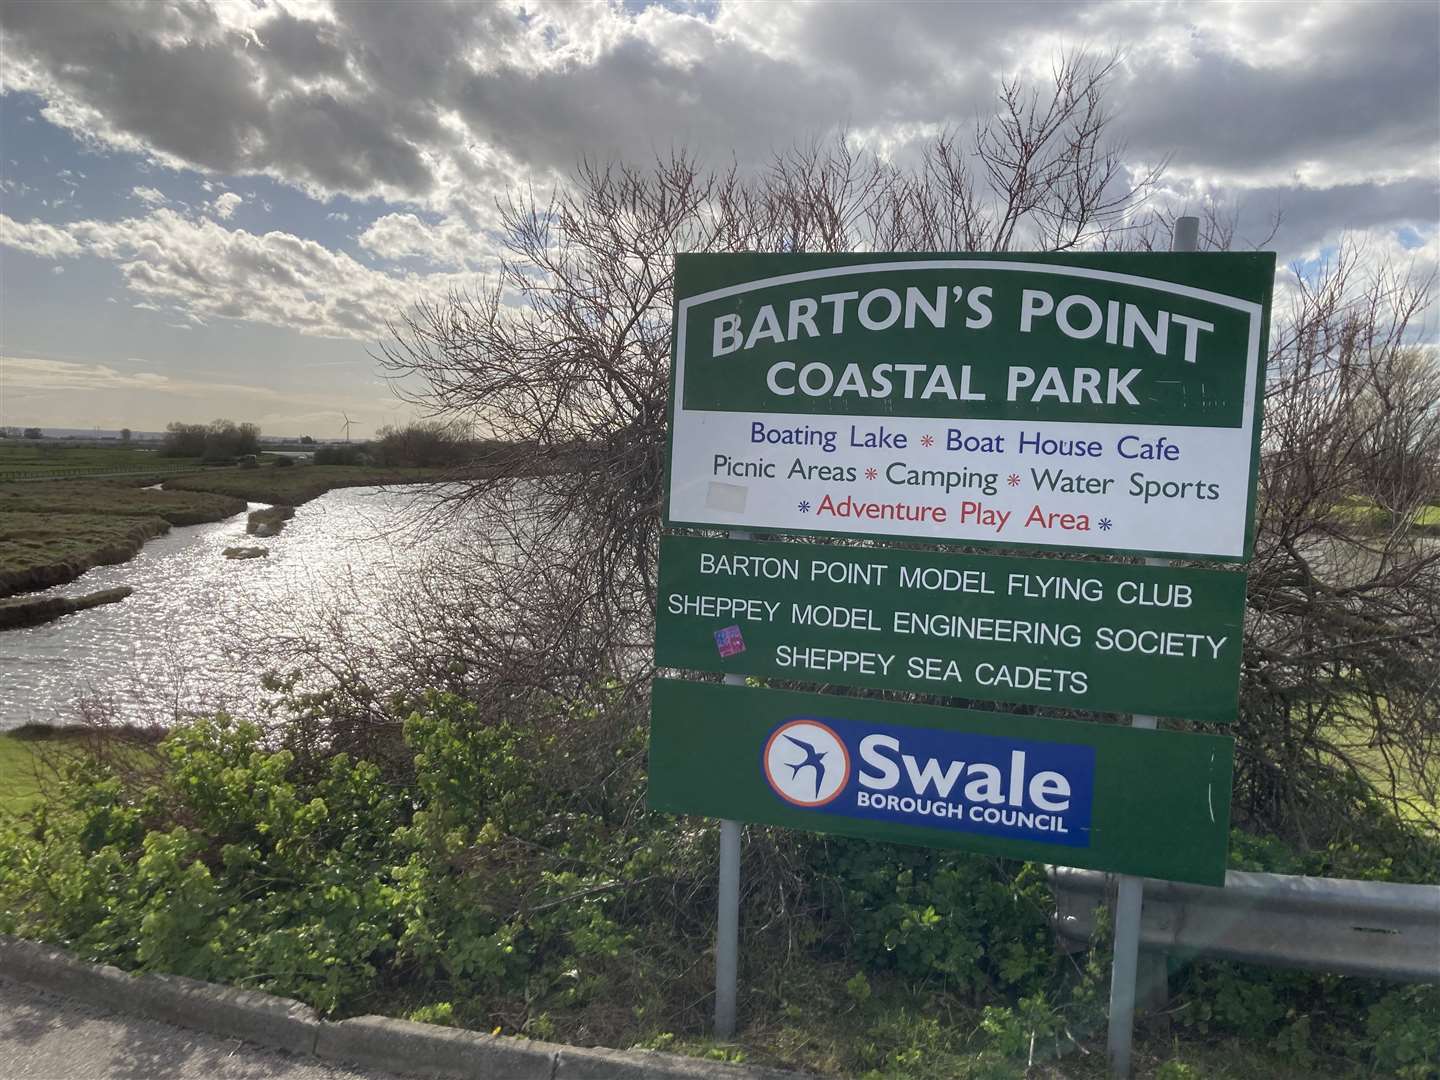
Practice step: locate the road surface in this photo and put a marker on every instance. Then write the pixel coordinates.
(46, 1037)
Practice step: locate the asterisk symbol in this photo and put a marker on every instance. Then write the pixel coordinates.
(927, 440)
(1013, 479)
(1105, 524)
(804, 506)
(870, 474)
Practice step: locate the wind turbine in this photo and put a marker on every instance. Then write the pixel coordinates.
(346, 425)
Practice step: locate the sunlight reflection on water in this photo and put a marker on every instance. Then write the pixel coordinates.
(172, 645)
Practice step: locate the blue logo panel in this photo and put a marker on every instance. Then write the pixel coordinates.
(995, 786)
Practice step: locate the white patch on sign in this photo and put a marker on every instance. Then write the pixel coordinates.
(728, 498)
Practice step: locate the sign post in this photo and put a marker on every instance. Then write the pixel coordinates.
(1082, 403)
(1130, 890)
(727, 921)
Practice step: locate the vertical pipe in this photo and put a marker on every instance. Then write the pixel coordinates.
(1187, 234)
(1130, 895)
(727, 927)
(727, 922)
(1128, 902)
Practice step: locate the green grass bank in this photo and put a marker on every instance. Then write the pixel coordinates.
(52, 531)
(21, 774)
(298, 484)
(38, 550)
(1363, 514)
(118, 500)
(21, 460)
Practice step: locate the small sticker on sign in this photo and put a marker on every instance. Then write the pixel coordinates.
(728, 642)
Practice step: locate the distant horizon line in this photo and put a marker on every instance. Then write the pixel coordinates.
(114, 433)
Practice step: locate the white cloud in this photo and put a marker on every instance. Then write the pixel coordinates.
(202, 269)
(31, 373)
(445, 107)
(225, 205)
(437, 110)
(450, 243)
(37, 238)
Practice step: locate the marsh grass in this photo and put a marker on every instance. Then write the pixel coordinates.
(269, 521)
(293, 486)
(38, 550)
(51, 532)
(92, 497)
(45, 459)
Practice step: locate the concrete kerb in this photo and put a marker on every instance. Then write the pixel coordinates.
(224, 1010)
(172, 999)
(52, 969)
(373, 1042)
(598, 1063)
(403, 1046)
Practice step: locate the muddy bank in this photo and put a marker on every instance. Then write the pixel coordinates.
(51, 532)
(20, 611)
(41, 550)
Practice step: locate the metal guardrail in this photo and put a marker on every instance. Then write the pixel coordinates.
(1368, 928)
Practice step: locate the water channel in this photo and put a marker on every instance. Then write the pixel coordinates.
(193, 634)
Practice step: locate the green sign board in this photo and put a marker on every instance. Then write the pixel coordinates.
(1095, 402)
(1153, 803)
(1086, 635)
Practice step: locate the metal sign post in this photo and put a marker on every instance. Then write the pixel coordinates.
(727, 922)
(1130, 894)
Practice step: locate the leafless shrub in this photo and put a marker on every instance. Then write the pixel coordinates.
(567, 354)
(1342, 662)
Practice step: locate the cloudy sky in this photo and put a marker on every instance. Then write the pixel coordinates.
(212, 209)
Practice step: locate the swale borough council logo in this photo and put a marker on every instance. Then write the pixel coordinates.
(806, 763)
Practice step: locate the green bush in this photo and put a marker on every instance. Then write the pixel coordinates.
(923, 912)
(1404, 1032)
(320, 880)
(227, 867)
(344, 454)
